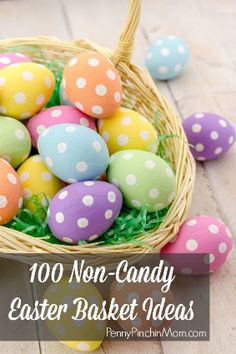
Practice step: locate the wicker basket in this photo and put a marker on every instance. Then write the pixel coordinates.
(140, 94)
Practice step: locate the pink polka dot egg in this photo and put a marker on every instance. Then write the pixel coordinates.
(210, 135)
(12, 58)
(57, 115)
(205, 236)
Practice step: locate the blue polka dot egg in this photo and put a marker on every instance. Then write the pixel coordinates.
(73, 153)
(167, 58)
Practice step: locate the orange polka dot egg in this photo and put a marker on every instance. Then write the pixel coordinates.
(93, 85)
(11, 193)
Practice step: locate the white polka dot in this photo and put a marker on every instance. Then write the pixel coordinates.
(101, 90)
(27, 193)
(115, 182)
(63, 195)
(169, 172)
(89, 183)
(67, 239)
(171, 197)
(20, 202)
(88, 200)
(117, 96)
(191, 222)
(201, 158)
(199, 115)
(136, 203)
(61, 148)
(228, 232)
(40, 129)
(144, 135)
(165, 52)
(81, 82)
(130, 180)
(231, 140)
(214, 229)
(196, 128)
(214, 135)
(122, 139)
(93, 62)
(40, 100)
(208, 259)
(47, 81)
(83, 346)
(3, 201)
(149, 56)
(163, 69)
(93, 237)
(108, 214)
(97, 109)
(222, 247)
(82, 223)
(11, 178)
(126, 121)
(71, 180)
(79, 106)
(2, 81)
(81, 166)
(223, 123)
(49, 161)
(28, 75)
(45, 132)
(159, 42)
(127, 155)
(60, 218)
(111, 74)
(159, 206)
(70, 129)
(105, 136)
(97, 146)
(20, 134)
(191, 245)
(153, 193)
(47, 176)
(112, 158)
(150, 164)
(177, 67)
(20, 98)
(24, 176)
(3, 109)
(84, 122)
(199, 147)
(5, 60)
(73, 62)
(111, 197)
(218, 150)
(186, 271)
(181, 49)
(56, 113)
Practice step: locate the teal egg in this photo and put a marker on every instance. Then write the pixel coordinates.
(167, 58)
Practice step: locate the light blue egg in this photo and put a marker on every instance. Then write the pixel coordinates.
(63, 97)
(167, 58)
(73, 153)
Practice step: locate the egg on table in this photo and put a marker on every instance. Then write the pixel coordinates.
(92, 84)
(80, 335)
(145, 180)
(84, 211)
(12, 58)
(127, 129)
(25, 88)
(167, 57)
(57, 115)
(73, 152)
(15, 143)
(38, 181)
(11, 192)
(206, 242)
(209, 134)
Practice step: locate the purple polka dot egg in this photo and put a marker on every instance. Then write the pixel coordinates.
(84, 211)
(210, 135)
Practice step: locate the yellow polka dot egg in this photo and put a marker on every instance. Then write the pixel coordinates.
(127, 129)
(25, 88)
(38, 181)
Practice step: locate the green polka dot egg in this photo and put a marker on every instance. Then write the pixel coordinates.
(145, 180)
(15, 142)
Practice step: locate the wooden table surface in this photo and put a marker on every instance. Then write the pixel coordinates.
(209, 84)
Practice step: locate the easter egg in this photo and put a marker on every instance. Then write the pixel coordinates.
(11, 193)
(25, 88)
(167, 58)
(145, 180)
(15, 144)
(38, 181)
(73, 152)
(210, 135)
(204, 235)
(64, 100)
(90, 333)
(12, 58)
(93, 85)
(57, 115)
(128, 129)
(84, 211)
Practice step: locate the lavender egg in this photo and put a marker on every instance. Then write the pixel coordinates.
(84, 211)
(210, 135)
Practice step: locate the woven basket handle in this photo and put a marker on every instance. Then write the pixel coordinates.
(125, 48)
